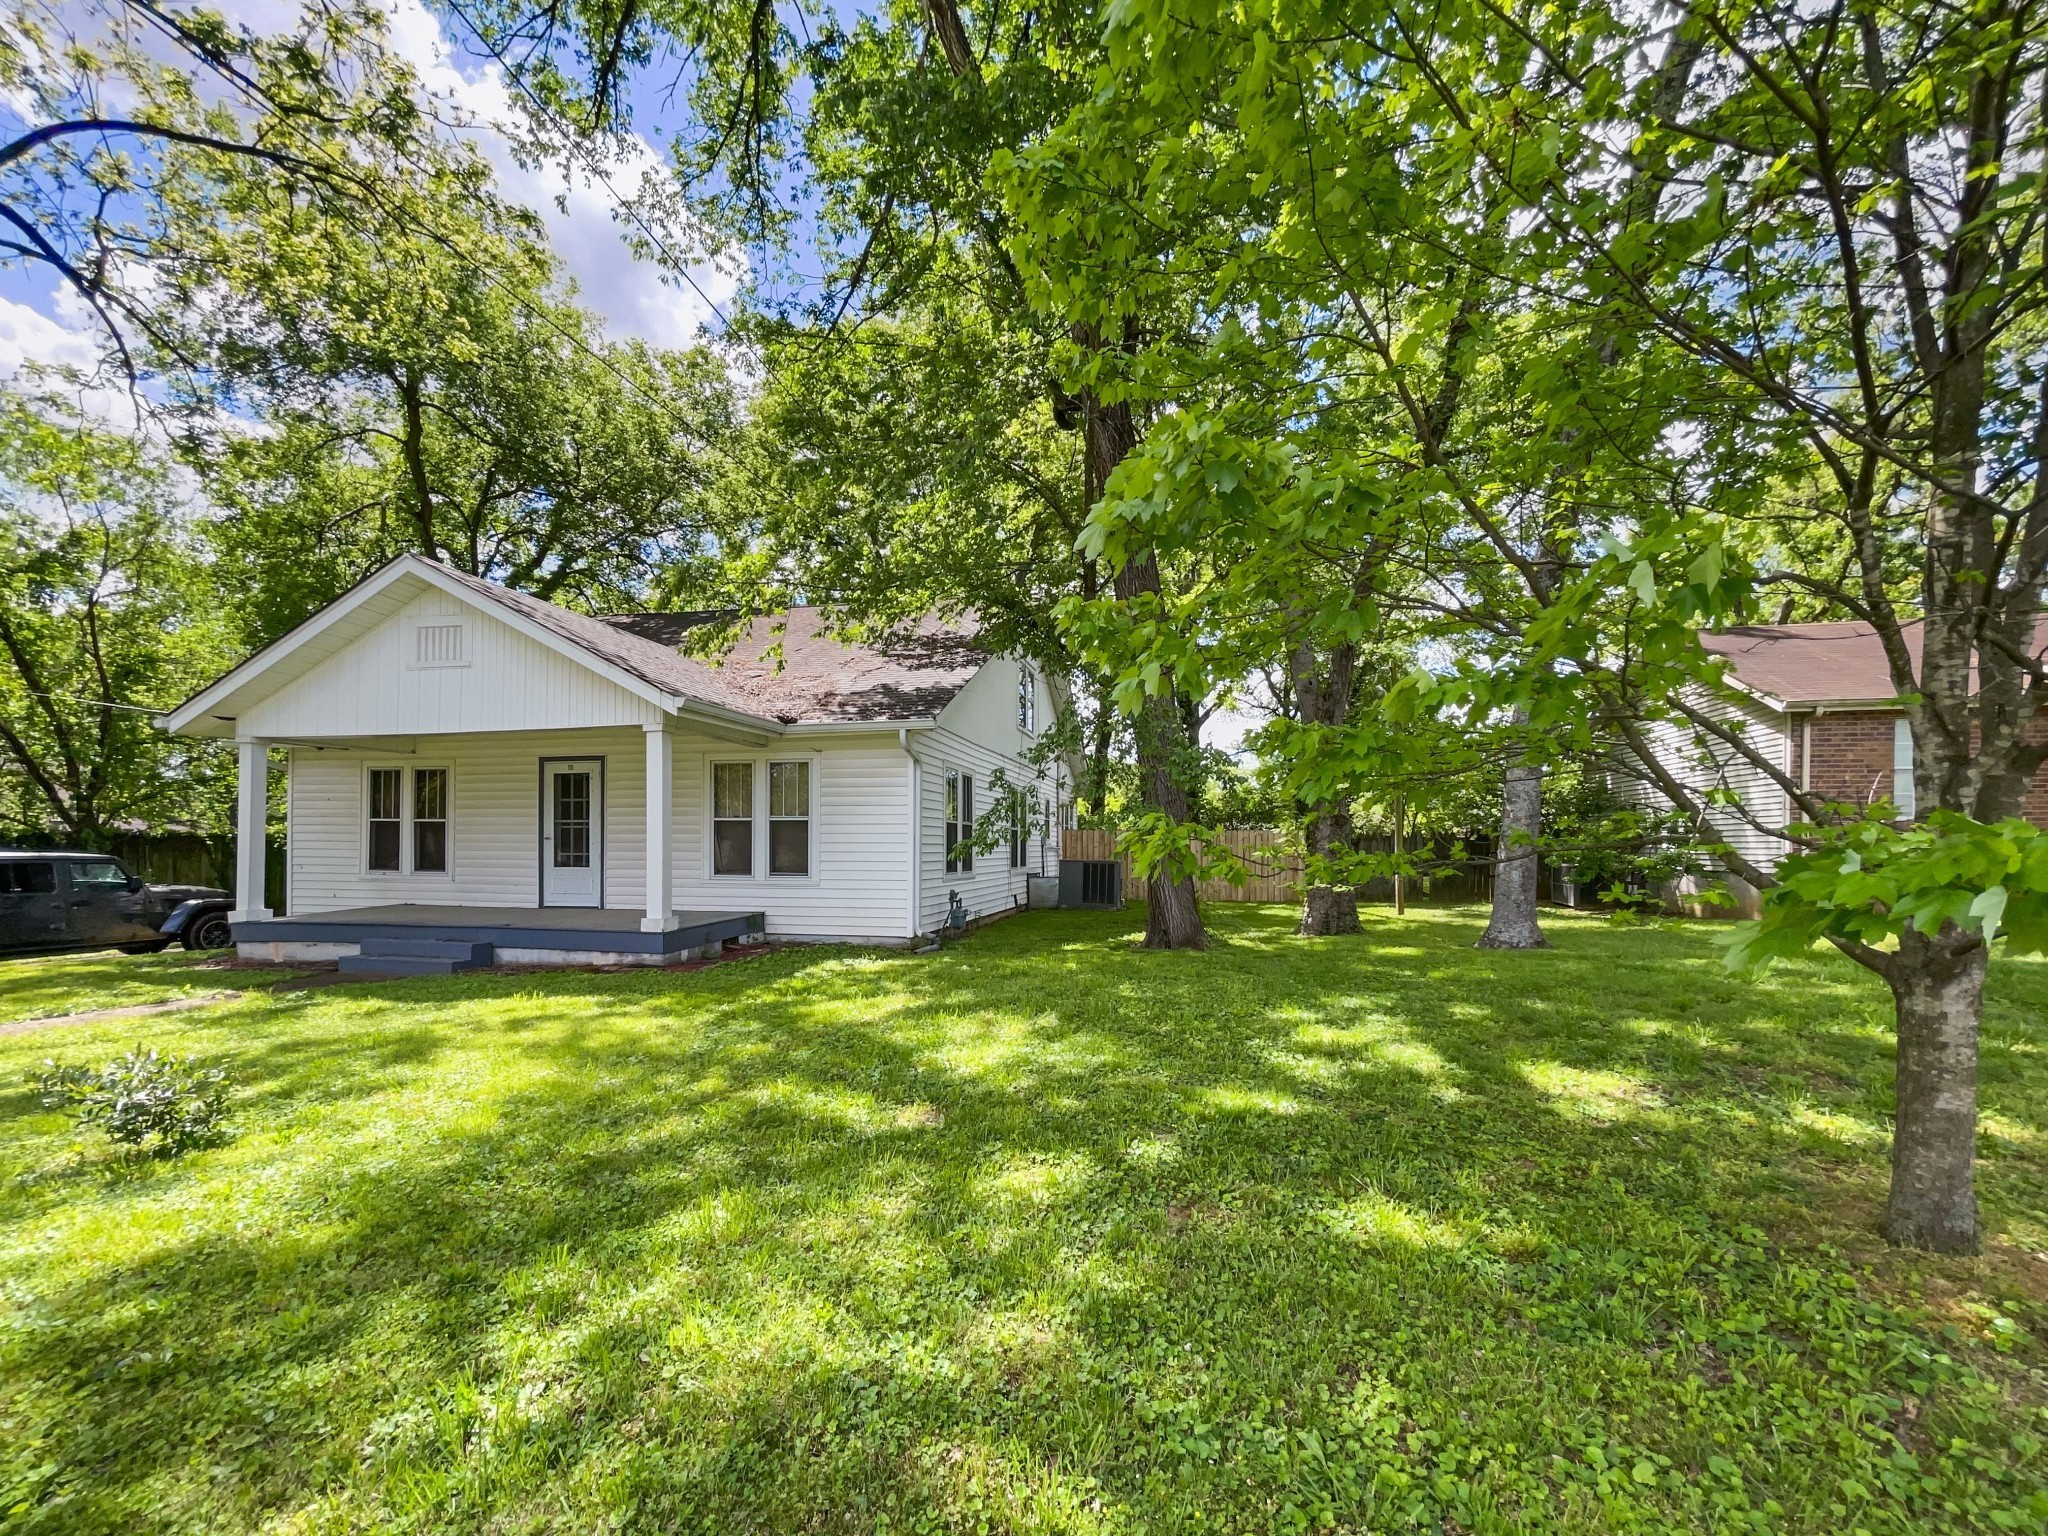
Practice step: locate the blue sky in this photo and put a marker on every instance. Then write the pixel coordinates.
(40, 321)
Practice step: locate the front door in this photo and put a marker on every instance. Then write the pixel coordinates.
(572, 833)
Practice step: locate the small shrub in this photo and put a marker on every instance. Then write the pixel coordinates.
(160, 1104)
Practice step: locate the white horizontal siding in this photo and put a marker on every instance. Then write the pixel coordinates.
(509, 683)
(991, 886)
(858, 888)
(494, 814)
(859, 885)
(1703, 763)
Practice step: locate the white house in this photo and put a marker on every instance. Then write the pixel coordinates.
(474, 774)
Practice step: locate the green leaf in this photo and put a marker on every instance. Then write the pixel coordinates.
(1989, 910)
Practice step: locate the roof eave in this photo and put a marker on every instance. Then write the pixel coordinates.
(859, 727)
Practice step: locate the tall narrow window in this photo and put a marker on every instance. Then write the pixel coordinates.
(732, 818)
(387, 818)
(1020, 829)
(959, 822)
(789, 818)
(430, 821)
(1027, 700)
(1902, 770)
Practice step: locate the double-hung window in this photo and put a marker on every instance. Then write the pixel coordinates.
(732, 818)
(430, 821)
(408, 822)
(1020, 829)
(387, 819)
(789, 818)
(959, 822)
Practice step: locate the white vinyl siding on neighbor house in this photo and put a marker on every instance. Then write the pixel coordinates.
(1717, 765)
(1903, 798)
(499, 681)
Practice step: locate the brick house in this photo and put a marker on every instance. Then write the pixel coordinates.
(1816, 701)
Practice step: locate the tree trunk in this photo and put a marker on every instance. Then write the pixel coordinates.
(1172, 920)
(1328, 909)
(1515, 871)
(1939, 999)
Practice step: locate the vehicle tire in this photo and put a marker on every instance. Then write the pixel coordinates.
(154, 946)
(209, 930)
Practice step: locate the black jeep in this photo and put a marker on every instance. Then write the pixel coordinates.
(55, 900)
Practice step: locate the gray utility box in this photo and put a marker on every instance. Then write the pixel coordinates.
(1091, 883)
(1042, 890)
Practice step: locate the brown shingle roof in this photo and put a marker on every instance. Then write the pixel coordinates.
(821, 679)
(1820, 663)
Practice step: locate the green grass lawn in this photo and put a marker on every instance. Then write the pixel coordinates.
(60, 984)
(1042, 1233)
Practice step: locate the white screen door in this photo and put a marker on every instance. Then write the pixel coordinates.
(572, 834)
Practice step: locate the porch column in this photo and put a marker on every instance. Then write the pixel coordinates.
(252, 829)
(661, 829)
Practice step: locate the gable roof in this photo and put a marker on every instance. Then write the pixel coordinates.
(1801, 665)
(822, 681)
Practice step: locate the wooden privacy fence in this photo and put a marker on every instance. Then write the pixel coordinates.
(1274, 869)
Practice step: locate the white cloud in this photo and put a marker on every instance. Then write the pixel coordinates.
(580, 210)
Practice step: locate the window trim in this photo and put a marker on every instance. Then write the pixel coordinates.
(1020, 828)
(758, 761)
(406, 804)
(1027, 699)
(711, 817)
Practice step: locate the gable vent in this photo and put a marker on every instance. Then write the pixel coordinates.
(438, 645)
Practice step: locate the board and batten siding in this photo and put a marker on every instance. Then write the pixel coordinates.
(376, 686)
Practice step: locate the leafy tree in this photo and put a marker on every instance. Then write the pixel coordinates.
(1763, 261)
(903, 113)
(106, 616)
(118, 98)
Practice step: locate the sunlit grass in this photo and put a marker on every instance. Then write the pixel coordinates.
(1040, 1233)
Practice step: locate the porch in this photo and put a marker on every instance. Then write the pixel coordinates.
(407, 938)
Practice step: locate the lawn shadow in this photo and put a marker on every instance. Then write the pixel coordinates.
(842, 1232)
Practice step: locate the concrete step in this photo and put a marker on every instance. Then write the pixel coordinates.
(464, 951)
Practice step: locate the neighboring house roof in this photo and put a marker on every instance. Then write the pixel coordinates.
(1800, 665)
(821, 680)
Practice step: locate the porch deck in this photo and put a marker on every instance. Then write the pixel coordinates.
(613, 930)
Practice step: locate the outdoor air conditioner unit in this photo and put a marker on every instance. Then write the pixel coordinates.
(1091, 883)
